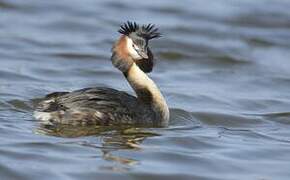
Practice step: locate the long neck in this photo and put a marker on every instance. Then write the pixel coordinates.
(148, 93)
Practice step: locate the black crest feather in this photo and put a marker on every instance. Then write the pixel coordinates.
(150, 31)
(147, 31)
(128, 28)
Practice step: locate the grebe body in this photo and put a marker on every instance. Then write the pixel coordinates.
(106, 106)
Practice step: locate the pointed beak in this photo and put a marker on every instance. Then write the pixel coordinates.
(143, 53)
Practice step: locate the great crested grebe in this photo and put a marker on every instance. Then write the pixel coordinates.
(106, 106)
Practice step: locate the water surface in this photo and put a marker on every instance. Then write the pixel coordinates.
(223, 67)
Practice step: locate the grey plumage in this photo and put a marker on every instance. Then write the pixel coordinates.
(100, 106)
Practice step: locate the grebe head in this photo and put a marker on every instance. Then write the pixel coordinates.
(138, 37)
(132, 47)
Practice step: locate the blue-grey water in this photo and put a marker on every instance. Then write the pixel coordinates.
(223, 66)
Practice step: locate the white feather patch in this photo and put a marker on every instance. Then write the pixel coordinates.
(42, 116)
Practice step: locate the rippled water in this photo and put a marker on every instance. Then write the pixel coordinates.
(222, 65)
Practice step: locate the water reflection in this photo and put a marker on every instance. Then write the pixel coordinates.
(113, 139)
(70, 131)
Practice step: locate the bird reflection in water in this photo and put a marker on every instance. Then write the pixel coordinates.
(112, 139)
